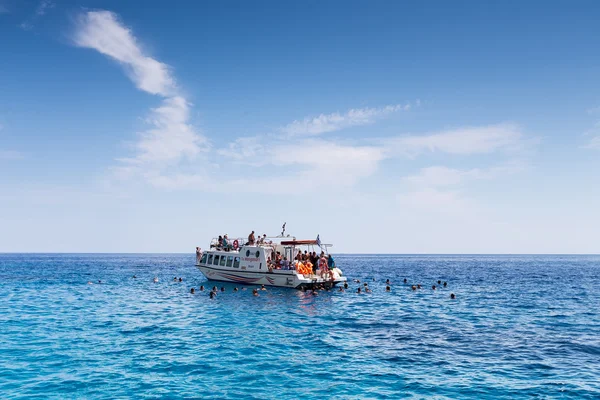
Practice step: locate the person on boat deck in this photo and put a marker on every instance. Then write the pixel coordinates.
(263, 239)
(198, 254)
(226, 245)
(285, 264)
(330, 262)
(251, 238)
(220, 241)
(314, 260)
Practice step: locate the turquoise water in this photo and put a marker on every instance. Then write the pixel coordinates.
(521, 326)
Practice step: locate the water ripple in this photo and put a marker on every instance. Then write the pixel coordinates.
(521, 326)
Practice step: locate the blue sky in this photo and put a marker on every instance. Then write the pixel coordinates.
(385, 127)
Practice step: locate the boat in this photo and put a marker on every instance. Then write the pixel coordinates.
(240, 261)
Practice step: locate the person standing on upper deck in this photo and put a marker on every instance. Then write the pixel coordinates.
(251, 239)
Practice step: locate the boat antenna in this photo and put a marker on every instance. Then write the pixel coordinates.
(283, 231)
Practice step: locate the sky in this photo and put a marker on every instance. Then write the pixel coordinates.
(382, 126)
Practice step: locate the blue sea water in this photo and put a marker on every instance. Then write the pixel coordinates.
(520, 326)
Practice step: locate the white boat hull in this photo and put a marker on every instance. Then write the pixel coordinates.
(278, 278)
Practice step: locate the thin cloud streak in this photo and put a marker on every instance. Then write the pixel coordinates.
(461, 141)
(594, 143)
(334, 122)
(11, 155)
(441, 176)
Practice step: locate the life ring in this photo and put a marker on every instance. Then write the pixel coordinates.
(236, 244)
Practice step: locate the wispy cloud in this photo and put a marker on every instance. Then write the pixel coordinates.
(11, 155)
(3, 9)
(593, 110)
(40, 11)
(334, 122)
(461, 141)
(594, 143)
(105, 33)
(43, 7)
(171, 136)
(441, 176)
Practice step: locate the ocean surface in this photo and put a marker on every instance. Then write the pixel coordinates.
(520, 327)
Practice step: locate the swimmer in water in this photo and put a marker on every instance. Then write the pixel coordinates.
(180, 280)
(452, 296)
(358, 290)
(387, 281)
(439, 282)
(314, 292)
(235, 289)
(175, 279)
(433, 287)
(341, 289)
(418, 286)
(243, 288)
(405, 280)
(445, 284)
(387, 288)
(222, 289)
(99, 281)
(90, 283)
(413, 287)
(367, 290)
(214, 289)
(262, 287)
(365, 284)
(202, 288)
(254, 292)
(155, 280)
(212, 295)
(192, 290)
(345, 285)
(134, 277)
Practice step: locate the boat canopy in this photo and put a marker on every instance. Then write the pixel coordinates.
(299, 242)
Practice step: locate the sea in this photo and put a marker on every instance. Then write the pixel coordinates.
(519, 327)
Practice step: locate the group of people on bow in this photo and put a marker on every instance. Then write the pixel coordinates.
(304, 263)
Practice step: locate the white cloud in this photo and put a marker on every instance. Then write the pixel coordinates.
(461, 141)
(171, 136)
(103, 32)
(334, 122)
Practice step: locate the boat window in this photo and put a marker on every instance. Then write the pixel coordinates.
(210, 257)
(203, 258)
(216, 260)
(257, 253)
(247, 253)
(223, 258)
(236, 262)
(229, 261)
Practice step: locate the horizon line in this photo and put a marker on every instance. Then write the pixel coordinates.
(363, 254)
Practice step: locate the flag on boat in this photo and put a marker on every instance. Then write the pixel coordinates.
(318, 241)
